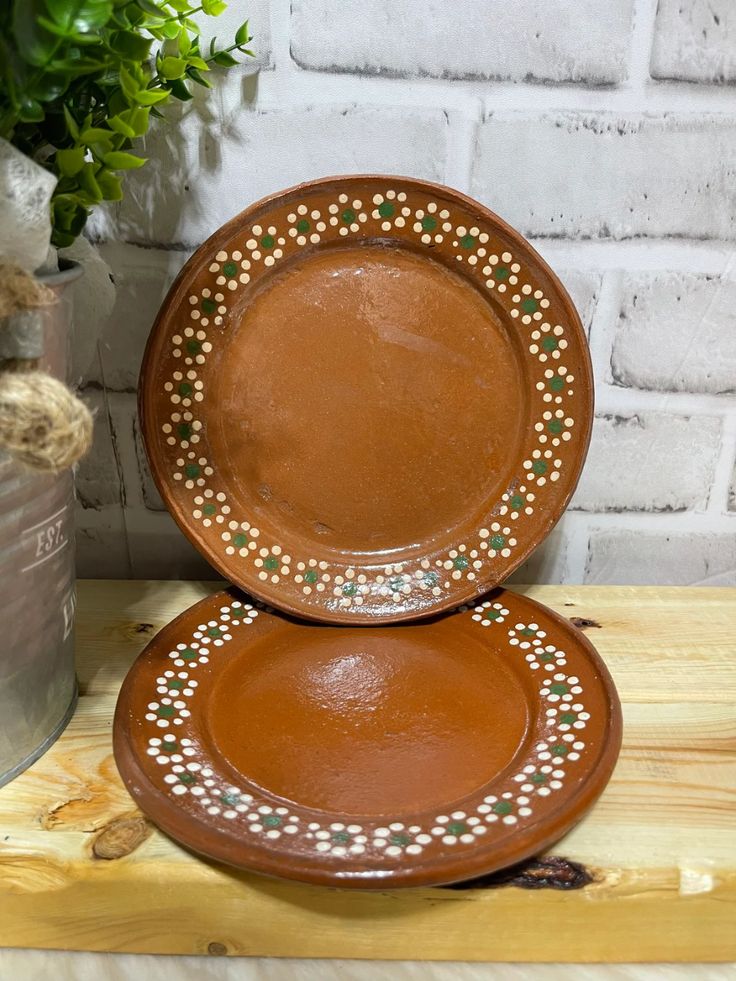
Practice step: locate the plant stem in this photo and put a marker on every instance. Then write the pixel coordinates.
(157, 80)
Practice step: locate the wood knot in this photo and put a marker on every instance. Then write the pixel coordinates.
(143, 628)
(120, 837)
(216, 949)
(549, 872)
(582, 623)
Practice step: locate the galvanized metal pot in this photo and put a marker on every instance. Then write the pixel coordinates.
(38, 689)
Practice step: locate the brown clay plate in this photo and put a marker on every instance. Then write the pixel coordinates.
(406, 755)
(366, 399)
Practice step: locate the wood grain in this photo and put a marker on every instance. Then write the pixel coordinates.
(80, 868)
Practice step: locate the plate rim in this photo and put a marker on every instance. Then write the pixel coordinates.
(466, 590)
(428, 873)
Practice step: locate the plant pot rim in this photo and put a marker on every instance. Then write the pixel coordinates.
(68, 271)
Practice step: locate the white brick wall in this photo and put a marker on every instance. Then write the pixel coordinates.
(677, 333)
(566, 41)
(192, 187)
(567, 117)
(639, 558)
(649, 461)
(610, 175)
(694, 40)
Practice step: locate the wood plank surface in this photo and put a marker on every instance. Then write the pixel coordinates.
(81, 869)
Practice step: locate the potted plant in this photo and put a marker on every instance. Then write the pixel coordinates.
(80, 82)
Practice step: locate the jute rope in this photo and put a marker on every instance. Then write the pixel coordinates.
(42, 423)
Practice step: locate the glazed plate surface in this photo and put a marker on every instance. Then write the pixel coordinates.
(366, 399)
(401, 755)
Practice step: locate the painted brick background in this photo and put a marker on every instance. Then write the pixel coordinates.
(566, 41)
(605, 130)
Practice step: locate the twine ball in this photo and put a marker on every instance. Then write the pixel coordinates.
(42, 423)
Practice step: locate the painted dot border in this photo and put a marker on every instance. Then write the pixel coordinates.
(179, 768)
(304, 582)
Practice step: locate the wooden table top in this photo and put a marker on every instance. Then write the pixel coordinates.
(80, 868)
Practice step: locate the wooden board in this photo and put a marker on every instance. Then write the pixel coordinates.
(81, 869)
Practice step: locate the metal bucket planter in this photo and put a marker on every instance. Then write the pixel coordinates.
(38, 689)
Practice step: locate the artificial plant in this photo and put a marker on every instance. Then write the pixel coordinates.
(80, 79)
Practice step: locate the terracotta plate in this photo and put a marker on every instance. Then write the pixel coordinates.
(405, 755)
(366, 399)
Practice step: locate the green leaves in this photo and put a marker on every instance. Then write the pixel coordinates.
(224, 59)
(29, 110)
(171, 67)
(130, 123)
(70, 162)
(68, 218)
(213, 8)
(81, 79)
(241, 35)
(117, 160)
(71, 123)
(130, 45)
(149, 97)
(110, 185)
(79, 15)
(151, 8)
(35, 43)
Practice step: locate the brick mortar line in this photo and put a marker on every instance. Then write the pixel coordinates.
(610, 400)
(586, 255)
(280, 19)
(718, 494)
(642, 41)
(638, 254)
(576, 523)
(292, 87)
(615, 400)
(603, 327)
(660, 522)
(462, 135)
